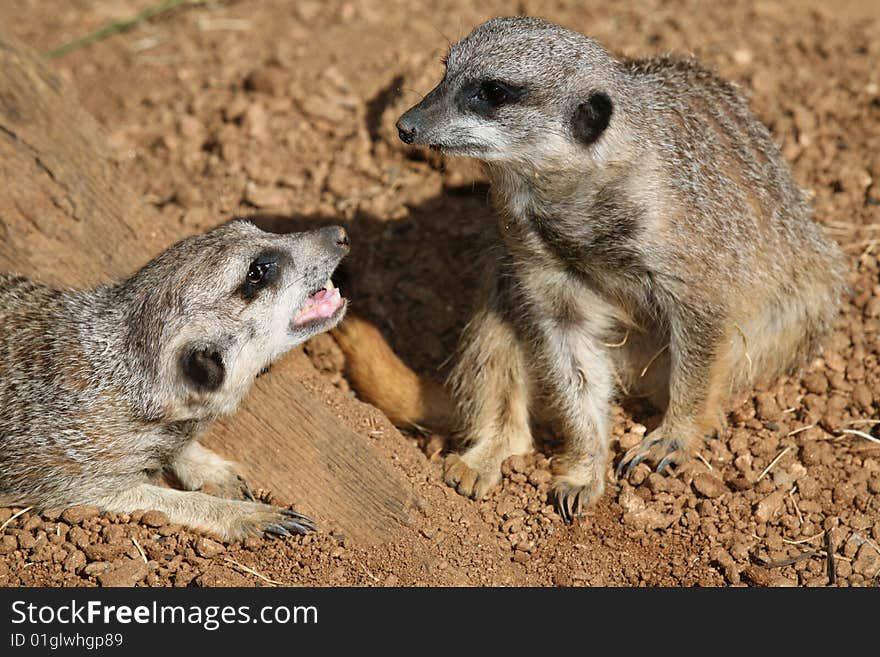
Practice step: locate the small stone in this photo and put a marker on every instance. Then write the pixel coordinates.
(517, 463)
(743, 56)
(709, 485)
(867, 561)
(835, 361)
(816, 383)
(126, 573)
(154, 519)
(781, 581)
(74, 561)
(630, 439)
(767, 508)
(8, 544)
(520, 556)
(265, 197)
(271, 80)
(767, 408)
(539, 477)
(207, 548)
(96, 568)
(26, 541)
(75, 515)
(104, 552)
(863, 396)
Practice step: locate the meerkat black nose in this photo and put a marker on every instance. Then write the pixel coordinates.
(405, 131)
(337, 238)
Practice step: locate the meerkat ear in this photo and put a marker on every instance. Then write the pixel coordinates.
(592, 117)
(203, 367)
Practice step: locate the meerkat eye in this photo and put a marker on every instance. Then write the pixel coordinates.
(488, 95)
(494, 93)
(262, 271)
(257, 273)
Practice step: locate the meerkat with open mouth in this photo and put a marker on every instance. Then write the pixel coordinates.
(103, 390)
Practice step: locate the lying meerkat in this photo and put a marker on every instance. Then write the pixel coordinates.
(102, 390)
(653, 242)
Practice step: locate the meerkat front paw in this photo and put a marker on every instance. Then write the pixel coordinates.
(662, 448)
(255, 519)
(575, 488)
(671, 445)
(198, 468)
(231, 486)
(470, 476)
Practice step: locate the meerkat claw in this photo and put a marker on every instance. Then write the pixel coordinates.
(276, 530)
(302, 519)
(630, 464)
(299, 527)
(246, 492)
(568, 503)
(665, 463)
(300, 523)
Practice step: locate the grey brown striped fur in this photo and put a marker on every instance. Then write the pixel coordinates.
(646, 217)
(103, 390)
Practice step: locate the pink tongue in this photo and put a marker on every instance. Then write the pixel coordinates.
(318, 306)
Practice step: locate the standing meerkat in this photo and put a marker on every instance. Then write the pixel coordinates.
(103, 390)
(652, 242)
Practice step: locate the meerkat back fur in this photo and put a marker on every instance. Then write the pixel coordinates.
(102, 390)
(652, 242)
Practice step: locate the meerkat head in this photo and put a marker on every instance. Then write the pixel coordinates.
(214, 310)
(518, 90)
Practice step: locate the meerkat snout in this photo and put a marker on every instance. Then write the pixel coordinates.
(337, 237)
(406, 131)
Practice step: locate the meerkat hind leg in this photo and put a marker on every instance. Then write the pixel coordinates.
(198, 468)
(700, 375)
(490, 383)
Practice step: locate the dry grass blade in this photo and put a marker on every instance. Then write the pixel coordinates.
(617, 345)
(113, 28)
(797, 431)
(13, 517)
(251, 571)
(139, 549)
(803, 540)
(860, 434)
(651, 362)
(772, 463)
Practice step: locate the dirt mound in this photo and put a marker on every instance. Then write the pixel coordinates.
(284, 110)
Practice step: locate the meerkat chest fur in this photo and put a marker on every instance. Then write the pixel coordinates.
(572, 238)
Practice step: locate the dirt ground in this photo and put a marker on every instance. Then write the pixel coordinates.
(284, 110)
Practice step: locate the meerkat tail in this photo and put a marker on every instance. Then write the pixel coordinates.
(383, 380)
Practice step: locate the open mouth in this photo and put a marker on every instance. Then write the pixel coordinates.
(324, 304)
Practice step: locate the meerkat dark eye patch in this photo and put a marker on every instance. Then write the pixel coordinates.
(262, 271)
(592, 117)
(203, 367)
(485, 96)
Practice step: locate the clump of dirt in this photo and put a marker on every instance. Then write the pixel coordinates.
(260, 109)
